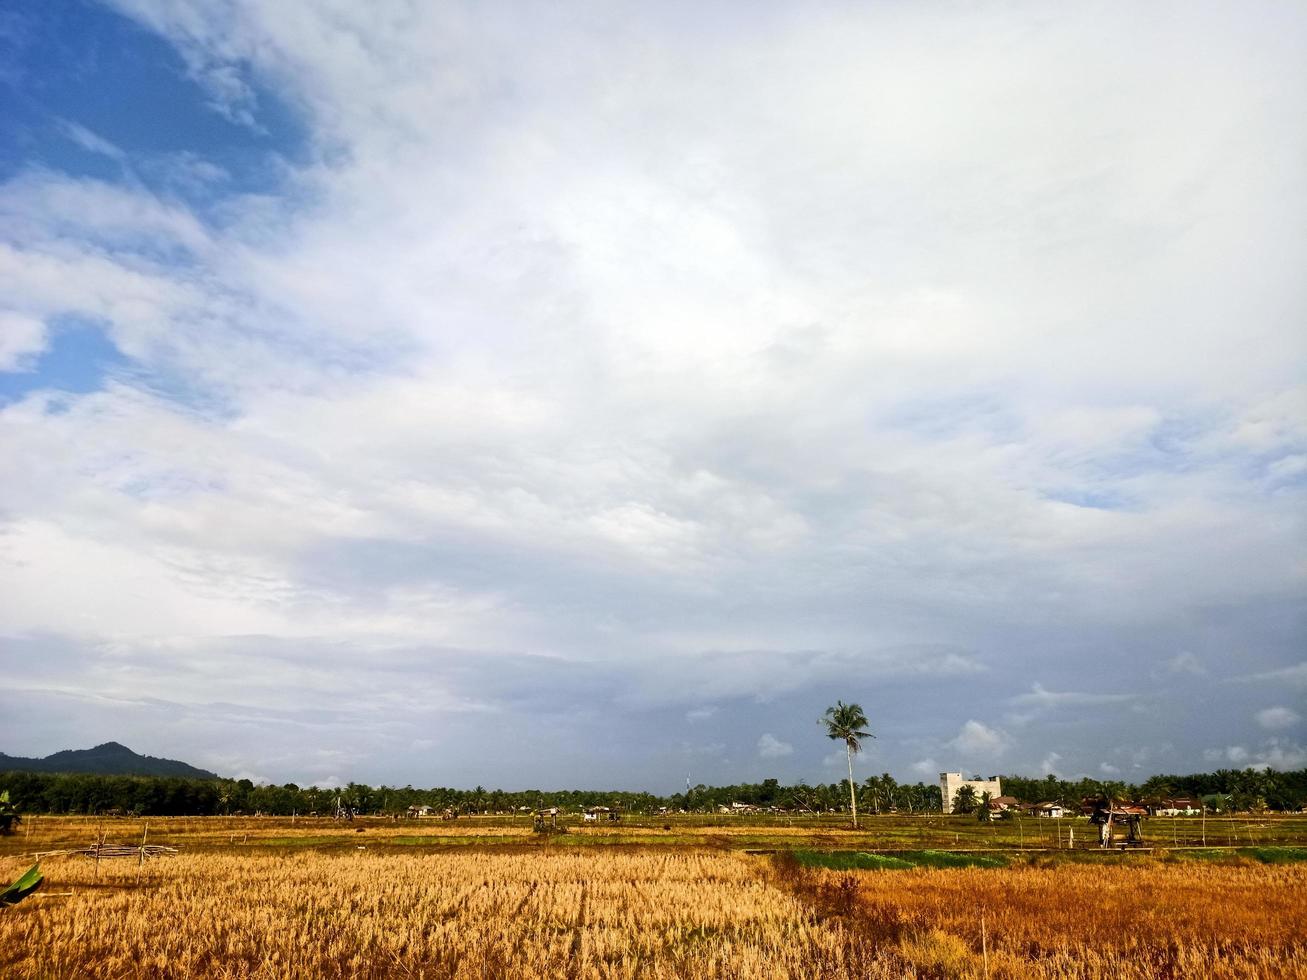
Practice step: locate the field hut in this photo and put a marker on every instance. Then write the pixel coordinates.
(545, 820)
(600, 814)
(1109, 817)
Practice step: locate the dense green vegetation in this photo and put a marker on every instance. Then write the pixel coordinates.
(33, 792)
(1223, 790)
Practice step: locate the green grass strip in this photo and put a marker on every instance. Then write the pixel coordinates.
(862, 861)
(850, 861)
(951, 859)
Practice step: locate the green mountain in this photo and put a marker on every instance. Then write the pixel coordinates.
(109, 759)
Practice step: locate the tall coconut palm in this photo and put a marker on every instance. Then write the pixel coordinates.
(846, 723)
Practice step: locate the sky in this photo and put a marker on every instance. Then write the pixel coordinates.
(588, 395)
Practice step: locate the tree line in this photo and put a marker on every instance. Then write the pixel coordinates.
(1224, 789)
(1237, 789)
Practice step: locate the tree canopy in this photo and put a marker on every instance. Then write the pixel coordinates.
(847, 723)
(149, 795)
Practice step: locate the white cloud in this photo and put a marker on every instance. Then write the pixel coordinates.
(1040, 698)
(22, 338)
(976, 740)
(1274, 753)
(925, 767)
(770, 747)
(1108, 769)
(1278, 718)
(1048, 765)
(1281, 754)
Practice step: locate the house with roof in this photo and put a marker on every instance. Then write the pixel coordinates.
(1180, 806)
(737, 807)
(1047, 810)
(1002, 807)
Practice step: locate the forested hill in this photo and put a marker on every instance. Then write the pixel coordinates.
(109, 759)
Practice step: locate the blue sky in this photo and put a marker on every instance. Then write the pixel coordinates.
(376, 382)
(76, 357)
(92, 93)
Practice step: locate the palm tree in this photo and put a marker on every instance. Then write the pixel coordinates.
(845, 723)
(965, 800)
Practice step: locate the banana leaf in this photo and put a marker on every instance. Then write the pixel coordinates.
(27, 883)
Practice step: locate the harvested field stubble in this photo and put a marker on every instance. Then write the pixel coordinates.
(434, 916)
(1148, 920)
(601, 913)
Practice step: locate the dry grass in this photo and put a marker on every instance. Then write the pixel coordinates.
(1150, 919)
(898, 832)
(506, 909)
(37, 833)
(441, 915)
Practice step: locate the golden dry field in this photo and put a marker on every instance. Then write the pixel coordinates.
(265, 902)
(593, 914)
(1142, 919)
(883, 833)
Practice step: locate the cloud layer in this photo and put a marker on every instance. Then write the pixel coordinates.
(639, 381)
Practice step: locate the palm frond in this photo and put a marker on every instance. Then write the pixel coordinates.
(846, 723)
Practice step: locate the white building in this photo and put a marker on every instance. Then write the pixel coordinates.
(951, 782)
(1183, 807)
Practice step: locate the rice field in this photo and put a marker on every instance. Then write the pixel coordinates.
(434, 915)
(759, 831)
(516, 905)
(1243, 917)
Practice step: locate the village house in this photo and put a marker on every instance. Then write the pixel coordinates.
(1001, 807)
(596, 814)
(1180, 806)
(1054, 811)
(737, 808)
